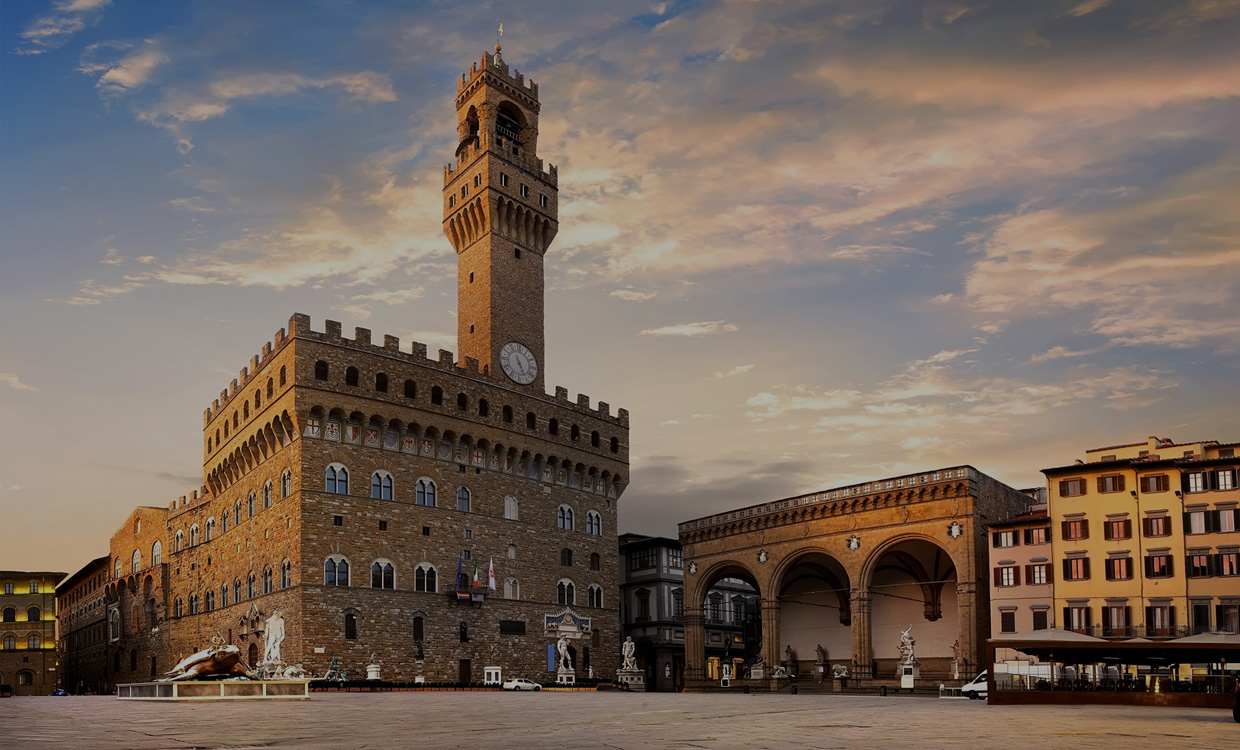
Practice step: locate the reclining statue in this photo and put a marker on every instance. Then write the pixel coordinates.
(219, 660)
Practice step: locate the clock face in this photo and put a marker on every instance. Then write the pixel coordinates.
(518, 362)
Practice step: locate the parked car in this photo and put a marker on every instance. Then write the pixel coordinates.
(520, 683)
(977, 688)
(60, 692)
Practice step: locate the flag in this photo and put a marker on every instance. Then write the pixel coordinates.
(491, 575)
(475, 574)
(458, 571)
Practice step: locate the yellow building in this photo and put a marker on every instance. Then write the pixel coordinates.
(1145, 540)
(28, 631)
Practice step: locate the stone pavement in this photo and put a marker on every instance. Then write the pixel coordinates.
(626, 721)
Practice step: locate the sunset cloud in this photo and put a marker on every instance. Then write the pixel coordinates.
(707, 328)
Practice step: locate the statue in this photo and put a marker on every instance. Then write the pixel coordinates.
(374, 658)
(790, 656)
(839, 671)
(906, 646)
(421, 653)
(779, 672)
(956, 652)
(218, 660)
(335, 673)
(822, 654)
(273, 637)
(295, 672)
(561, 647)
(629, 650)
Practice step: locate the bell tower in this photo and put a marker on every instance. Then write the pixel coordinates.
(500, 212)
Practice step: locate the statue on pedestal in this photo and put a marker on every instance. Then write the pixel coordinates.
(821, 653)
(561, 648)
(629, 651)
(907, 643)
(839, 671)
(273, 636)
(218, 660)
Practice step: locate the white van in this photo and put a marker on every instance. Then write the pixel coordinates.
(977, 688)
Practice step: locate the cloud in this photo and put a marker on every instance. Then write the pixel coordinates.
(13, 381)
(1062, 352)
(738, 370)
(707, 328)
(119, 76)
(358, 304)
(92, 293)
(112, 257)
(1087, 7)
(632, 295)
(65, 19)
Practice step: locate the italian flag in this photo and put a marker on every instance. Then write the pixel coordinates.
(475, 574)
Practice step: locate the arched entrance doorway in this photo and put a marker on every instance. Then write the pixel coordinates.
(723, 622)
(815, 612)
(913, 586)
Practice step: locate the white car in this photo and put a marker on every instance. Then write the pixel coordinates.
(520, 683)
(977, 688)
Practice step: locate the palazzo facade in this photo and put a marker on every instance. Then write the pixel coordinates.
(370, 491)
(846, 570)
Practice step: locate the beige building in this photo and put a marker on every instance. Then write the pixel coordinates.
(28, 631)
(81, 615)
(1146, 539)
(1021, 581)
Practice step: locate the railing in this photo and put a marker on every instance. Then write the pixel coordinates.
(1138, 631)
(1216, 684)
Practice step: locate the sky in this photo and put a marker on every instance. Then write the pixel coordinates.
(805, 244)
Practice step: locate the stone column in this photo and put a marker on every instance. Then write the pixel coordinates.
(972, 640)
(862, 638)
(771, 651)
(695, 644)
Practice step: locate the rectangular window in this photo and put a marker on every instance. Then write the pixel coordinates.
(1071, 487)
(1004, 538)
(1119, 569)
(542, 200)
(1227, 520)
(1158, 566)
(1229, 563)
(643, 559)
(1040, 619)
(503, 179)
(1117, 529)
(1076, 569)
(1078, 618)
(1111, 483)
(1159, 620)
(1006, 576)
(525, 190)
(1116, 622)
(1200, 565)
(1226, 480)
(1196, 522)
(1196, 482)
(1229, 618)
(383, 526)
(1038, 574)
(337, 520)
(1076, 529)
(676, 561)
(1035, 536)
(1155, 483)
(1158, 526)
(1007, 622)
(512, 627)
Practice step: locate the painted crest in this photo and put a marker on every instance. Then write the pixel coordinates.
(955, 530)
(854, 542)
(763, 556)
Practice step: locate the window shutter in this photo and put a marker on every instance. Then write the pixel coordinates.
(994, 539)
(1149, 567)
(1211, 480)
(1067, 618)
(998, 577)
(1084, 528)
(1063, 530)
(1089, 612)
(1147, 526)
(1171, 611)
(1016, 574)
(1067, 572)
(1128, 617)
(1184, 483)
(1101, 485)
(1015, 538)
(1109, 568)
(1214, 564)
(1029, 574)
(1218, 617)
(1028, 535)
(1063, 488)
(1170, 566)
(1212, 523)
(1119, 483)
(1188, 523)
(1127, 528)
(1087, 568)
(1149, 620)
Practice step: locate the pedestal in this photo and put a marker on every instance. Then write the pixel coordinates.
(635, 679)
(756, 672)
(373, 672)
(565, 677)
(419, 678)
(909, 674)
(819, 671)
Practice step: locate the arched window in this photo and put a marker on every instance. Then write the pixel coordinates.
(462, 401)
(249, 506)
(286, 483)
(193, 535)
(381, 381)
(224, 523)
(484, 409)
(320, 370)
(594, 523)
(209, 601)
(178, 541)
(236, 589)
(594, 593)
(117, 568)
(10, 643)
(382, 575)
(268, 491)
(531, 421)
(615, 445)
(411, 389)
(419, 629)
(286, 574)
(33, 614)
(565, 592)
(136, 563)
(462, 499)
(350, 376)
(210, 529)
(336, 571)
(437, 395)
(337, 480)
(564, 518)
(193, 608)
(381, 485)
(258, 400)
(25, 678)
(512, 510)
(157, 553)
(249, 586)
(271, 388)
(267, 580)
(594, 439)
(350, 625)
(245, 405)
(596, 562)
(283, 376)
(114, 624)
(566, 557)
(10, 614)
(553, 426)
(424, 493)
(223, 596)
(424, 578)
(512, 589)
(507, 413)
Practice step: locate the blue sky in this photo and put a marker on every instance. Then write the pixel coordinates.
(804, 243)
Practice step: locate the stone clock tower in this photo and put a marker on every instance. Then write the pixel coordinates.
(500, 213)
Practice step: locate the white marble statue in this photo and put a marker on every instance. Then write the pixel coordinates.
(839, 671)
(629, 650)
(561, 647)
(906, 646)
(273, 637)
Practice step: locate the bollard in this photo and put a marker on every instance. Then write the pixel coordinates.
(746, 690)
(883, 691)
(794, 689)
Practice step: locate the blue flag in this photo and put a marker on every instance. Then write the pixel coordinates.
(458, 570)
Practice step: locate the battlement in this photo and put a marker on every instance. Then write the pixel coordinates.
(187, 502)
(469, 151)
(495, 66)
(299, 328)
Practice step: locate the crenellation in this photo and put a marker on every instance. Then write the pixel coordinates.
(583, 401)
(623, 416)
(419, 351)
(446, 357)
(604, 409)
(361, 336)
(471, 365)
(266, 350)
(332, 329)
(391, 343)
(561, 393)
(241, 378)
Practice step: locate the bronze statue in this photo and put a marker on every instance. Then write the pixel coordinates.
(218, 661)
